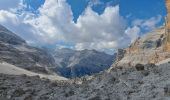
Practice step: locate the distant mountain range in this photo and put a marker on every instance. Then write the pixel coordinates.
(72, 63)
(69, 63)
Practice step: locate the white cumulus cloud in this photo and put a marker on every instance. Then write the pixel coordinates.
(92, 31)
(54, 24)
(148, 24)
(133, 32)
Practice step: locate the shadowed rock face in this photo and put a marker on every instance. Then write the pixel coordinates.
(120, 54)
(14, 50)
(72, 63)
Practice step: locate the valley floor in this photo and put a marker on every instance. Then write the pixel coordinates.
(150, 83)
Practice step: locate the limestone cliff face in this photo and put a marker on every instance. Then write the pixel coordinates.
(167, 27)
(146, 49)
(153, 47)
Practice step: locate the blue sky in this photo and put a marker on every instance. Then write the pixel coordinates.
(135, 9)
(142, 10)
(82, 24)
(129, 9)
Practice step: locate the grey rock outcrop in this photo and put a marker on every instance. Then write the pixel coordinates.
(120, 54)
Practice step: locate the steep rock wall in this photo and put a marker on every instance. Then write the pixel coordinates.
(146, 49)
(153, 47)
(167, 27)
